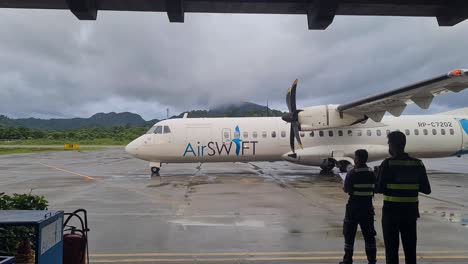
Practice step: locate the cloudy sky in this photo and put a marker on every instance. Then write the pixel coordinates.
(54, 66)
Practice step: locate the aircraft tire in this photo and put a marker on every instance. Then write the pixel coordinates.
(328, 165)
(343, 165)
(155, 169)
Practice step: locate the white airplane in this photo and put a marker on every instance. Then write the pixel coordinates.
(327, 135)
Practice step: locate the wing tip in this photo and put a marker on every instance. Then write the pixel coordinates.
(458, 72)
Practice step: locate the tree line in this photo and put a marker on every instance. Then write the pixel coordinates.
(119, 133)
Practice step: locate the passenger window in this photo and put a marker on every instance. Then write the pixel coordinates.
(302, 134)
(369, 133)
(407, 132)
(442, 131)
(312, 134)
(434, 131)
(236, 134)
(254, 134)
(416, 132)
(273, 134)
(264, 134)
(283, 133)
(452, 132)
(226, 135)
(158, 130)
(425, 132)
(388, 132)
(321, 133)
(330, 133)
(359, 133)
(167, 130)
(246, 134)
(379, 133)
(350, 133)
(340, 133)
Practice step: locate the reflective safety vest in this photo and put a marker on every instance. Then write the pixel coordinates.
(404, 185)
(363, 189)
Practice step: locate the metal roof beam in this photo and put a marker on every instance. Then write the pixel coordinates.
(83, 9)
(455, 12)
(175, 10)
(321, 13)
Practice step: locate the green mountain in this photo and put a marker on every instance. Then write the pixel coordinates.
(244, 109)
(107, 120)
(98, 120)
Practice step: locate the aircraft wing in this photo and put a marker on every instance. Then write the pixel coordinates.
(395, 101)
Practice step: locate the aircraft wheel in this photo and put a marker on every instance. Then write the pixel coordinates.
(343, 165)
(328, 165)
(155, 169)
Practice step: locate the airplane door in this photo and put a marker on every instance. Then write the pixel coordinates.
(226, 135)
(464, 125)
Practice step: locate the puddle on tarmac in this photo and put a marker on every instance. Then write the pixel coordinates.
(452, 217)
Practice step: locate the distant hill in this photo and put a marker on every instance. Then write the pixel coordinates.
(112, 119)
(98, 120)
(244, 109)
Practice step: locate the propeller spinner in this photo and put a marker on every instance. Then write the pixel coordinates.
(292, 117)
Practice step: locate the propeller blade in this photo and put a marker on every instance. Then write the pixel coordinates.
(295, 126)
(291, 138)
(292, 100)
(288, 99)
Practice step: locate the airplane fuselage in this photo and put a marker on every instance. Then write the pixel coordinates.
(192, 140)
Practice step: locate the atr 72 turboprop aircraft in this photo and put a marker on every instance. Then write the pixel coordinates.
(327, 135)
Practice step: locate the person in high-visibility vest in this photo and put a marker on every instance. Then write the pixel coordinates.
(400, 179)
(359, 184)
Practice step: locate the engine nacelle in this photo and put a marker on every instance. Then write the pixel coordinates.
(323, 117)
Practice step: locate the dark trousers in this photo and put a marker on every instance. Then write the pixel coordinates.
(366, 222)
(392, 227)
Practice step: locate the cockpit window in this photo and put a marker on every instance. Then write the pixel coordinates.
(167, 130)
(158, 130)
(151, 130)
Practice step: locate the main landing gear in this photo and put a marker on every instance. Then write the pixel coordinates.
(327, 165)
(342, 165)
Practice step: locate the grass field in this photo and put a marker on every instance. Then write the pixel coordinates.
(101, 141)
(19, 150)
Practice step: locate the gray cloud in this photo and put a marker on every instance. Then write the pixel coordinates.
(55, 66)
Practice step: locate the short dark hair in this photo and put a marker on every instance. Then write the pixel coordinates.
(362, 155)
(397, 138)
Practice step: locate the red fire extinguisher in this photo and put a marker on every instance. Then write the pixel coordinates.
(75, 241)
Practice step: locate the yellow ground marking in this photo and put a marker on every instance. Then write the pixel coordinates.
(173, 254)
(67, 171)
(198, 260)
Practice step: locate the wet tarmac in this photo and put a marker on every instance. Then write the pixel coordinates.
(257, 212)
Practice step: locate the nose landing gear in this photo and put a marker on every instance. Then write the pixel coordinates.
(155, 168)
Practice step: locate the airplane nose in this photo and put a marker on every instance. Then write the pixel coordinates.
(132, 148)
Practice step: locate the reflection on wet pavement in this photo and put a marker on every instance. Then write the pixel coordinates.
(276, 212)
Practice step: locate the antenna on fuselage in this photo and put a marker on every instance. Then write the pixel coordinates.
(268, 110)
